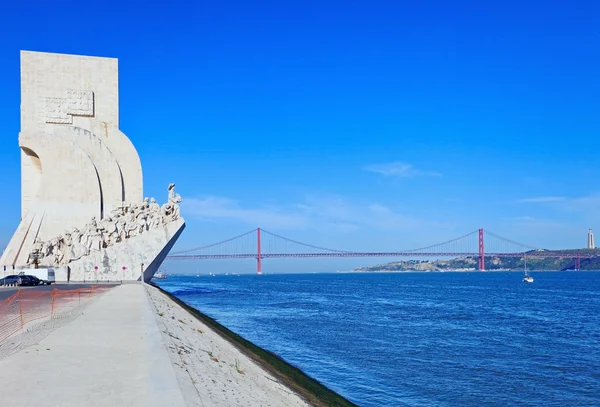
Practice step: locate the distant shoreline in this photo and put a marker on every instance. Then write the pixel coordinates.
(462, 271)
(559, 260)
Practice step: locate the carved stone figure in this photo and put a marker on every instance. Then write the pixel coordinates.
(36, 251)
(174, 200)
(155, 218)
(123, 210)
(66, 248)
(154, 207)
(78, 249)
(121, 223)
(168, 212)
(131, 227)
(141, 219)
(47, 249)
(142, 216)
(57, 254)
(93, 233)
(109, 232)
(116, 212)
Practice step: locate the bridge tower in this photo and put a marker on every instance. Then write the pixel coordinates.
(481, 251)
(258, 255)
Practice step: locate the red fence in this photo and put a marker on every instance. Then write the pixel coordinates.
(26, 306)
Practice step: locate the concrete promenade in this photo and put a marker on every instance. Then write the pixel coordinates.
(112, 355)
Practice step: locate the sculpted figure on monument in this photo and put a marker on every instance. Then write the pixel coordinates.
(171, 208)
(155, 220)
(141, 219)
(109, 232)
(154, 207)
(120, 211)
(116, 212)
(66, 248)
(174, 197)
(93, 233)
(84, 236)
(46, 252)
(142, 216)
(78, 248)
(36, 251)
(121, 228)
(167, 212)
(57, 254)
(155, 216)
(131, 226)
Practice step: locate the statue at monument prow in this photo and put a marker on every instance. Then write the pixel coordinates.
(81, 177)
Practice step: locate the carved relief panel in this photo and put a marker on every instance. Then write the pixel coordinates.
(77, 103)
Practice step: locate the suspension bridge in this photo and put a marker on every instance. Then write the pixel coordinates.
(261, 244)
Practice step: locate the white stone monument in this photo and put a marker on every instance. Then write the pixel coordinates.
(82, 203)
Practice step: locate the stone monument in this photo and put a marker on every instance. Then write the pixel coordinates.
(82, 202)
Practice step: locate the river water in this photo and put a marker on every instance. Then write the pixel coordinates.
(421, 339)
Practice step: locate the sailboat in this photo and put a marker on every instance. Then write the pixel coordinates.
(527, 278)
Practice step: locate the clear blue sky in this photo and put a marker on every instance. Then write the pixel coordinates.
(353, 124)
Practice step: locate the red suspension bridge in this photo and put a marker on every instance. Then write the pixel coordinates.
(260, 244)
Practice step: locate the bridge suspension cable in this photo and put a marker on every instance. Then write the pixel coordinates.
(433, 246)
(216, 244)
(303, 244)
(511, 241)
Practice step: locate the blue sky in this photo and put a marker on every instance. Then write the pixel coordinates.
(361, 125)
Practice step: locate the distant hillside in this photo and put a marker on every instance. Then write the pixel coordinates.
(495, 263)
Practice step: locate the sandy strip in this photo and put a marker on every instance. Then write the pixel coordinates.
(210, 370)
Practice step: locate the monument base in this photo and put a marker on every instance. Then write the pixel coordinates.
(129, 260)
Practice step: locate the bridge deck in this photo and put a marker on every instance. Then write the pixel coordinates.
(541, 254)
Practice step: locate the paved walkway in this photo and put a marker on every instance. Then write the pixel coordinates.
(112, 355)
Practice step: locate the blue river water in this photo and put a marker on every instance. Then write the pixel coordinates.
(421, 339)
